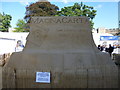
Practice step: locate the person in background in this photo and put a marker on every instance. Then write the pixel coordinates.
(19, 46)
(100, 48)
(110, 49)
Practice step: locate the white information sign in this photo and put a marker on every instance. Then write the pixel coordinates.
(43, 77)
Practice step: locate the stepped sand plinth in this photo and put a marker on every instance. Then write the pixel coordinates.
(63, 47)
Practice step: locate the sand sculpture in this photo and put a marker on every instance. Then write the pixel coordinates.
(64, 48)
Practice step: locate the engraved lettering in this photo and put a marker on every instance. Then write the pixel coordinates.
(75, 20)
(59, 20)
(64, 20)
(40, 21)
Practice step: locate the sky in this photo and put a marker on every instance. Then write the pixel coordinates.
(107, 12)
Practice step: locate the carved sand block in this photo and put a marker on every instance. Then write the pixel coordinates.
(63, 49)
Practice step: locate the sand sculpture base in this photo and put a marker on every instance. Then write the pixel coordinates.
(64, 47)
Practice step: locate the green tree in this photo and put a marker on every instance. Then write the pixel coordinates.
(5, 20)
(20, 26)
(0, 20)
(40, 8)
(78, 10)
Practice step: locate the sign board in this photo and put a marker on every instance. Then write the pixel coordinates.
(103, 38)
(43, 77)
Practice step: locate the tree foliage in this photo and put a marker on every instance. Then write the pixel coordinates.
(5, 20)
(48, 9)
(78, 10)
(0, 20)
(40, 9)
(20, 26)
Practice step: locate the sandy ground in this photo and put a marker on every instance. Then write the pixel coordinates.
(0, 78)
